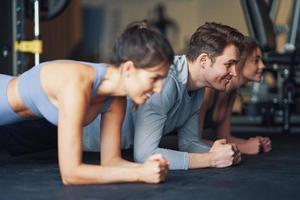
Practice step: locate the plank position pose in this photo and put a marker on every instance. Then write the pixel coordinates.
(70, 94)
(210, 61)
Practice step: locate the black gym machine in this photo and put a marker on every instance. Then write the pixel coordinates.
(258, 15)
(15, 46)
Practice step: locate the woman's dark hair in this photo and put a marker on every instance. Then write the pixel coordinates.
(144, 46)
(249, 45)
(212, 38)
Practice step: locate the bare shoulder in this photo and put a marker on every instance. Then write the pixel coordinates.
(67, 67)
(59, 74)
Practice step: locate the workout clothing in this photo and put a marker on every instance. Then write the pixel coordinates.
(35, 99)
(7, 115)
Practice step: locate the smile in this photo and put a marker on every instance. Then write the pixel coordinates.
(227, 80)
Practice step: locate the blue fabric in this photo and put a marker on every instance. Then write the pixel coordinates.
(35, 99)
(7, 115)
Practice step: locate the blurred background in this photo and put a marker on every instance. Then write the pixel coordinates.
(86, 30)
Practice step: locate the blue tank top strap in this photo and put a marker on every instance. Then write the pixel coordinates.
(100, 73)
(106, 104)
(101, 69)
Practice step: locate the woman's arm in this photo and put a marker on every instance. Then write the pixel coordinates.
(111, 124)
(205, 106)
(73, 104)
(223, 130)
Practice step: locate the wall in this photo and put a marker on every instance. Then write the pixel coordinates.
(189, 14)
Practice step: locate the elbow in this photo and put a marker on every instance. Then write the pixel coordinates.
(68, 178)
(183, 146)
(66, 181)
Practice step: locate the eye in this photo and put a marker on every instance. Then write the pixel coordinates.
(155, 78)
(228, 65)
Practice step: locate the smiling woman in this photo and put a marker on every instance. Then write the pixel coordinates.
(57, 89)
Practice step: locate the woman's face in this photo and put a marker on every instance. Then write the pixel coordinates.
(253, 67)
(142, 83)
(251, 71)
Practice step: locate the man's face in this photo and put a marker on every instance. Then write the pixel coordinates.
(219, 73)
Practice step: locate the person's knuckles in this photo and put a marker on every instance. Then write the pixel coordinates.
(230, 153)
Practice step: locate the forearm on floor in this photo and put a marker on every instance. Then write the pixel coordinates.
(95, 174)
(120, 162)
(199, 160)
(178, 160)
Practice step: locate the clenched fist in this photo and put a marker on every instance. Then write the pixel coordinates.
(154, 169)
(224, 154)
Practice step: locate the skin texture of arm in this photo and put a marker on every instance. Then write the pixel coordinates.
(75, 99)
(223, 129)
(111, 123)
(221, 154)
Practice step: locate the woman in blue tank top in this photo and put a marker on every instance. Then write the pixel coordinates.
(217, 106)
(70, 94)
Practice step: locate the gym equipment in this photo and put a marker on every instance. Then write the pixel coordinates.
(14, 49)
(261, 28)
(11, 30)
(49, 9)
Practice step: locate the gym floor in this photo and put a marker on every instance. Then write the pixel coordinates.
(274, 175)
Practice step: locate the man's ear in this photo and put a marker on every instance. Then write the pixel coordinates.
(127, 67)
(203, 59)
